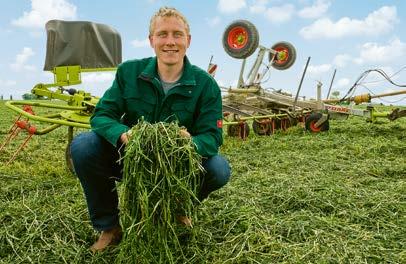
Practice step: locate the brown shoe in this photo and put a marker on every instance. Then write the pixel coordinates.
(184, 220)
(107, 238)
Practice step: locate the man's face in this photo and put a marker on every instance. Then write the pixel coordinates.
(170, 40)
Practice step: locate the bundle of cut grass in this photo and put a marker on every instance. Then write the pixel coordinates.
(161, 179)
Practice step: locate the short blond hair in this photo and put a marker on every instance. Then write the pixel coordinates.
(167, 12)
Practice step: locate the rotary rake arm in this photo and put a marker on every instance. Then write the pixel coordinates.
(71, 107)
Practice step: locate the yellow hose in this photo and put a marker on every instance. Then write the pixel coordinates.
(362, 98)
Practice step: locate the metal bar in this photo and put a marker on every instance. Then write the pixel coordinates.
(246, 118)
(300, 86)
(15, 133)
(10, 105)
(14, 125)
(19, 149)
(257, 109)
(70, 135)
(47, 129)
(241, 78)
(268, 67)
(318, 97)
(248, 90)
(9, 137)
(380, 114)
(371, 96)
(331, 84)
(388, 94)
(254, 70)
(235, 110)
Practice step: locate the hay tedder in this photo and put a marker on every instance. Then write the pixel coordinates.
(272, 110)
(72, 48)
(249, 101)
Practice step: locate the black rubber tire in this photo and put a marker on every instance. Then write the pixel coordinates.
(312, 119)
(249, 47)
(236, 131)
(68, 160)
(283, 64)
(261, 129)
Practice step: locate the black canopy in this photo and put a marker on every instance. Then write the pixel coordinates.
(90, 45)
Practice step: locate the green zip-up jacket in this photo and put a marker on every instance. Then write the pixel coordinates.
(136, 92)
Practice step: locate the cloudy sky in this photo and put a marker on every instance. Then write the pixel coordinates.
(350, 36)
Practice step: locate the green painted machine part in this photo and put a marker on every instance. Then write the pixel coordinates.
(79, 104)
(76, 107)
(73, 47)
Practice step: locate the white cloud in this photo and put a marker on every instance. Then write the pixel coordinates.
(20, 63)
(7, 82)
(376, 23)
(374, 53)
(280, 14)
(230, 6)
(212, 22)
(342, 60)
(318, 69)
(44, 10)
(343, 82)
(258, 7)
(98, 77)
(316, 10)
(140, 43)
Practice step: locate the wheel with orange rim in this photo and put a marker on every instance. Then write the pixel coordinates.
(284, 57)
(240, 39)
(311, 121)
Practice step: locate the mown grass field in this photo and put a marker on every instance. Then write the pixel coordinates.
(294, 197)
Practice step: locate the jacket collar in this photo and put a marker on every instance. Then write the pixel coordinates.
(150, 72)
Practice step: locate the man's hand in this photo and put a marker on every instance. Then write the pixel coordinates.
(124, 138)
(184, 133)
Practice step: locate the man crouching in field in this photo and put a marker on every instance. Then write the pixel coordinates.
(161, 88)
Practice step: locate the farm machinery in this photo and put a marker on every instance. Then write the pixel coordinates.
(248, 100)
(77, 47)
(73, 47)
(272, 110)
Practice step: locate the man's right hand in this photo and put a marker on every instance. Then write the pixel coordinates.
(124, 138)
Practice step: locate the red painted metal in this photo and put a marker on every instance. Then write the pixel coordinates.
(237, 38)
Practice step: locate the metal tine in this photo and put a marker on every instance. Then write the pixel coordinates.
(19, 149)
(13, 132)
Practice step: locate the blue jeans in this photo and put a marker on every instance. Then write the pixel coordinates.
(95, 163)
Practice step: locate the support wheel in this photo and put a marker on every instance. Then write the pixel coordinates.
(240, 39)
(241, 130)
(311, 122)
(285, 55)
